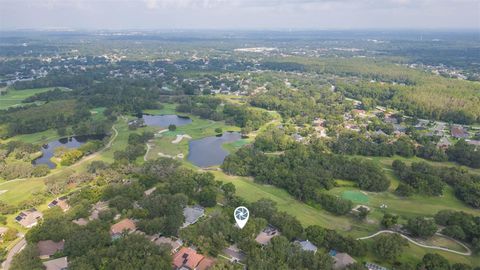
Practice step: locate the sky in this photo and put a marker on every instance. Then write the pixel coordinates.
(240, 14)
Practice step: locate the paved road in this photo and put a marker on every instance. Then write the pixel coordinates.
(468, 253)
(17, 248)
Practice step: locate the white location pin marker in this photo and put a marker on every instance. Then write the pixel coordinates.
(241, 215)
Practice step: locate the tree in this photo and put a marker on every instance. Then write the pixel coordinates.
(389, 246)
(421, 227)
(316, 235)
(219, 130)
(363, 212)
(454, 231)
(172, 127)
(433, 262)
(389, 220)
(207, 197)
(228, 189)
(27, 259)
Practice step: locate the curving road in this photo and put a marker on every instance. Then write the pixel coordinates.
(21, 244)
(468, 253)
(14, 250)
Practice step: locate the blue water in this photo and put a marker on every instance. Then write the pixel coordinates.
(165, 120)
(48, 150)
(208, 151)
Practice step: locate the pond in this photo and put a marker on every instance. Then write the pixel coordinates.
(48, 150)
(166, 120)
(208, 151)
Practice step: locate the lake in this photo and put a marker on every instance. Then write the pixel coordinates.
(208, 151)
(166, 120)
(48, 150)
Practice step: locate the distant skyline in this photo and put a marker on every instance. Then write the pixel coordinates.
(239, 14)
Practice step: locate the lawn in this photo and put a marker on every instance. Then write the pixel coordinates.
(17, 191)
(15, 97)
(308, 215)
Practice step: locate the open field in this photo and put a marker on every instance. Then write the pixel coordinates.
(16, 191)
(15, 97)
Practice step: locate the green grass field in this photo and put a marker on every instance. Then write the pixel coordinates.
(16, 191)
(15, 97)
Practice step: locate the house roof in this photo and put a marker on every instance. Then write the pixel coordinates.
(187, 257)
(123, 225)
(3, 230)
(48, 247)
(266, 235)
(307, 245)
(342, 260)
(56, 264)
(168, 241)
(192, 214)
(234, 253)
(29, 218)
(205, 264)
(459, 132)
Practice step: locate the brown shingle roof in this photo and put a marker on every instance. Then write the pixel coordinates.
(124, 225)
(47, 248)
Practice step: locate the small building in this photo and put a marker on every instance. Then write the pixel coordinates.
(264, 237)
(298, 138)
(234, 254)
(444, 143)
(341, 260)
(3, 230)
(459, 132)
(60, 202)
(148, 192)
(29, 218)
(189, 259)
(359, 113)
(307, 246)
(125, 225)
(56, 264)
(192, 215)
(175, 245)
(80, 221)
(97, 208)
(48, 248)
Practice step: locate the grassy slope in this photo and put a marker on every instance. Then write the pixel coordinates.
(15, 97)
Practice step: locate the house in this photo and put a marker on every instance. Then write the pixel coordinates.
(459, 132)
(3, 230)
(444, 143)
(56, 264)
(307, 246)
(372, 266)
(234, 254)
(60, 202)
(125, 225)
(266, 235)
(97, 208)
(192, 215)
(321, 131)
(29, 218)
(148, 192)
(80, 221)
(175, 245)
(341, 260)
(359, 113)
(297, 137)
(189, 259)
(48, 248)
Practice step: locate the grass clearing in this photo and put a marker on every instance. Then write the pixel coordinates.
(15, 97)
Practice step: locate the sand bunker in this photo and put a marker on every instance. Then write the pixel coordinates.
(180, 138)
